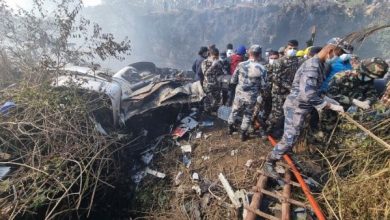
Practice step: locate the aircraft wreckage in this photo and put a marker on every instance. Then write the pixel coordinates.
(135, 89)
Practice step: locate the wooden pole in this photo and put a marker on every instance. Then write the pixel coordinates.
(257, 197)
(286, 194)
(260, 213)
(376, 138)
(316, 208)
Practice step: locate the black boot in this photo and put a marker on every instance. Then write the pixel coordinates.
(244, 135)
(231, 129)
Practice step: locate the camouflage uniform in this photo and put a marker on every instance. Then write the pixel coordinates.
(251, 79)
(281, 75)
(299, 103)
(212, 69)
(385, 100)
(262, 109)
(346, 86)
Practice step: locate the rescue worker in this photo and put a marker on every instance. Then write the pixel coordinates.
(357, 87)
(234, 60)
(251, 79)
(267, 53)
(237, 58)
(312, 51)
(225, 78)
(304, 96)
(341, 64)
(225, 62)
(212, 68)
(196, 67)
(264, 104)
(229, 50)
(281, 51)
(281, 74)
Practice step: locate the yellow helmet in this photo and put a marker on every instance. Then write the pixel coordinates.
(307, 50)
(300, 53)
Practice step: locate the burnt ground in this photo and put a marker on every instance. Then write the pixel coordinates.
(215, 152)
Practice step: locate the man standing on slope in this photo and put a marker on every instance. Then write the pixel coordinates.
(251, 78)
(304, 96)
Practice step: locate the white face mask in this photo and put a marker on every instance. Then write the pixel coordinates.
(271, 61)
(291, 52)
(345, 57)
(332, 60)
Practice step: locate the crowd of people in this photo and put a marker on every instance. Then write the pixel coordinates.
(278, 93)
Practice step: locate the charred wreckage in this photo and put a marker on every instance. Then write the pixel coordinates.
(136, 89)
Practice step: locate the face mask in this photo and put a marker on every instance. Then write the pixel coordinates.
(331, 60)
(291, 52)
(345, 57)
(271, 61)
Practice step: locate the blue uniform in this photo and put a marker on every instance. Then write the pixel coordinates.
(299, 103)
(251, 79)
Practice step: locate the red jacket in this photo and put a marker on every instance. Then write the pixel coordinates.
(235, 59)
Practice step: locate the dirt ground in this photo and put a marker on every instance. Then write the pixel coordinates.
(214, 153)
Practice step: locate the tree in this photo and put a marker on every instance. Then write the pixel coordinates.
(52, 34)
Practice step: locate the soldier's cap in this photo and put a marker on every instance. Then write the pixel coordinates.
(255, 48)
(281, 49)
(374, 68)
(338, 42)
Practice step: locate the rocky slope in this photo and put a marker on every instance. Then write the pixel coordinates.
(172, 38)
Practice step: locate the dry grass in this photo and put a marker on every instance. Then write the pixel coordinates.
(359, 177)
(59, 160)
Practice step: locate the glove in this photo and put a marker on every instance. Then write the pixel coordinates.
(331, 101)
(363, 105)
(336, 108)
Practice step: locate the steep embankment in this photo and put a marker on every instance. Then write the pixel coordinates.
(173, 38)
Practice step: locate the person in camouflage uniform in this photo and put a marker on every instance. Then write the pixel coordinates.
(356, 87)
(263, 105)
(251, 78)
(281, 74)
(212, 68)
(304, 97)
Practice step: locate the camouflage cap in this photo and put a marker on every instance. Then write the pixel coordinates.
(255, 48)
(338, 42)
(374, 67)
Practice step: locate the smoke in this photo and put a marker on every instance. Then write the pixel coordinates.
(171, 35)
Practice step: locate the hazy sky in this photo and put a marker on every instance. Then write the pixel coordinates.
(26, 3)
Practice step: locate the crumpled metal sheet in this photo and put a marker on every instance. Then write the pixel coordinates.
(161, 94)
